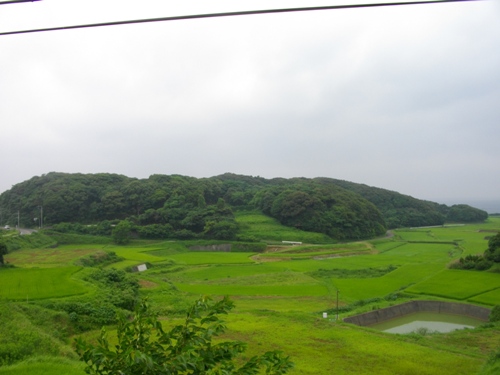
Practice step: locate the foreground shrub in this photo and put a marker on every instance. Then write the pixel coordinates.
(144, 348)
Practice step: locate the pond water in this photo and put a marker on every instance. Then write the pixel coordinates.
(431, 321)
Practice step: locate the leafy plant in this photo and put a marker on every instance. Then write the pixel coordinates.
(118, 287)
(145, 348)
(495, 314)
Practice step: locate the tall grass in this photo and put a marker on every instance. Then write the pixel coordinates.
(29, 330)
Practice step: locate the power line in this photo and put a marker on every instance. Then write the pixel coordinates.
(17, 1)
(230, 14)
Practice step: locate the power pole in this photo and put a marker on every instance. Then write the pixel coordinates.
(337, 305)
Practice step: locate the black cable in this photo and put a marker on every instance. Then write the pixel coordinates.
(17, 1)
(229, 14)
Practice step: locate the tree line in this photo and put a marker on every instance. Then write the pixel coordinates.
(164, 206)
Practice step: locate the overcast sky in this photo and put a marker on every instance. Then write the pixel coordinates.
(404, 98)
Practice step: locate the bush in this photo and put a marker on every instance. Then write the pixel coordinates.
(85, 316)
(144, 348)
(100, 258)
(495, 314)
(472, 262)
(119, 288)
(483, 265)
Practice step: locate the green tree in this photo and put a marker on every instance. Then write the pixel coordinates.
(493, 251)
(464, 213)
(121, 233)
(145, 348)
(221, 230)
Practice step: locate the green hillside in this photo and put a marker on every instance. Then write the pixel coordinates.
(174, 206)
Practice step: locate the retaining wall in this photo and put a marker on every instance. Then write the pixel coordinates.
(388, 313)
(222, 247)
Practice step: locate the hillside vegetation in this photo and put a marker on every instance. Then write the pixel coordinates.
(175, 206)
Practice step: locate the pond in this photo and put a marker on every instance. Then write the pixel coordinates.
(430, 321)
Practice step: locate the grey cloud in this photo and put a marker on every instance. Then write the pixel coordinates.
(405, 99)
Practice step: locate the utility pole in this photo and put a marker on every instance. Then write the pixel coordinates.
(337, 305)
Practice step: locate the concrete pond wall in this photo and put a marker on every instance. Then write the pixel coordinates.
(388, 313)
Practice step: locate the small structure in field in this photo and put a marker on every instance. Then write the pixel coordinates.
(140, 268)
(293, 243)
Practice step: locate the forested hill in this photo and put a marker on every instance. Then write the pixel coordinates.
(401, 210)
(187, 207)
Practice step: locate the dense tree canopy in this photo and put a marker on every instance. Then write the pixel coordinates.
(174, 206)
(328, 209)
(463, 213)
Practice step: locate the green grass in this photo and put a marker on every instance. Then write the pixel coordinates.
(283, 304)
(39, 283)
(457, 284)
(138, 254)
(218, 271)
(358, 289)
(45, 366)
(208, 257)
(488, 298)
(415, 235)
(255, 224)
(28, 330)
(255, 290)
(316, 251)
(54, 257)
(320, 346)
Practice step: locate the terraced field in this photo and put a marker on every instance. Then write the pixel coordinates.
(281, 293)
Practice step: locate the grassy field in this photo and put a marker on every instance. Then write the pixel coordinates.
(45, 366)
(49, 258)
(280, 296)
(320, 346)
(39, 283)
(254, 224)
(450, 284)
